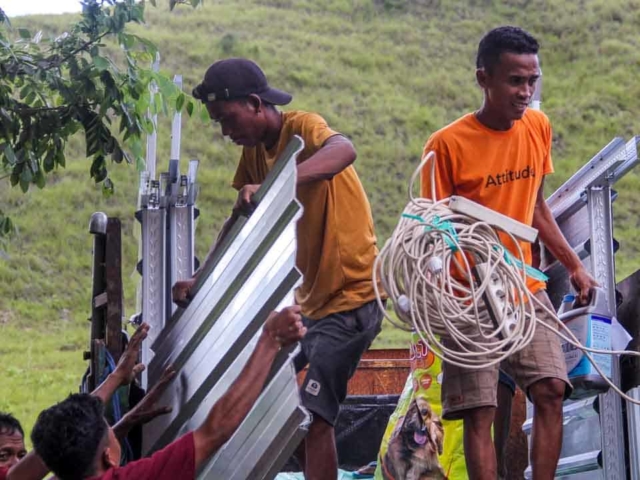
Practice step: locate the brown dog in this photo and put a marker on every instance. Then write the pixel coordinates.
(414, 446)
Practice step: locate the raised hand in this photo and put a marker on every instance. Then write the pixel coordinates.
(128, 366)
(286, 326)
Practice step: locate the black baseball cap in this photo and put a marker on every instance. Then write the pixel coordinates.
(237, 78)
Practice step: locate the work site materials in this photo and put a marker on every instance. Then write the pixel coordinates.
(594, 427)
(591, 324)
(251, 273)
(429, 268)
(106, 298)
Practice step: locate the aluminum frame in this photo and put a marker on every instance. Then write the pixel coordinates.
(209, 342)
(583, 208)
(152, 138)
(633, 423)
(603, 269)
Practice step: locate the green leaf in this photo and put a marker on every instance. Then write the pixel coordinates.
(117, 154)
(6, 225)
(127, 40)
(40, 179)
(147, 124)
(204, 114)
(101, 63)
(49, 161)
(167, 87)
(61, 159)
(107, 187)
(24, 33)
(157, 104)
(25, 179)
(30, 98)
(10, 154)
(149, 45)
(25, 90)
(141, 165)
(180, 102)
(15, 178)
(98, 169)
(190, 107)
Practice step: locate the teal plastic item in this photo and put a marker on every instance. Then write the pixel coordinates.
(591, 324)
(528, 269)
(342, 475)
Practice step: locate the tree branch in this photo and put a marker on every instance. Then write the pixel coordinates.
(81, 48)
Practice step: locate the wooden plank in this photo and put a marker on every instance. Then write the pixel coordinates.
(113, 274)
(100, 300)
(380, 372)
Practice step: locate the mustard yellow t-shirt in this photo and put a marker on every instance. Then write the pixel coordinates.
(502, 170)
(336, 240)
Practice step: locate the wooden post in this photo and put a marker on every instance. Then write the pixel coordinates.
(113, 277)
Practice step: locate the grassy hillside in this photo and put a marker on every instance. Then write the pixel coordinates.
(385, 72)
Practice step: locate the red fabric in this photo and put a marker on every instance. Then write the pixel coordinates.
(176, 461)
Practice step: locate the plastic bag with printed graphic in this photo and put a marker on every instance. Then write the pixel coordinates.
(418, 444)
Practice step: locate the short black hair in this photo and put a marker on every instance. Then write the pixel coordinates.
(504, 39)
(10, 425)
(67, 436)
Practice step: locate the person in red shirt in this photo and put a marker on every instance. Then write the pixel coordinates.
(75, 442)
(31, 467)
(12, 447)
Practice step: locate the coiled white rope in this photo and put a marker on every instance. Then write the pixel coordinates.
(426, 268)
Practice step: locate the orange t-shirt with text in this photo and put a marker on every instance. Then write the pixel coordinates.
(502, 170)
(336, 240)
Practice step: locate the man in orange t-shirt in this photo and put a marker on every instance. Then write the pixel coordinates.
(498, 156)
(336, 243)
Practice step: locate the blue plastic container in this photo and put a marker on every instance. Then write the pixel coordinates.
(591, 324)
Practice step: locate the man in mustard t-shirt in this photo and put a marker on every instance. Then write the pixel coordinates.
(336, 240)
(499, 156)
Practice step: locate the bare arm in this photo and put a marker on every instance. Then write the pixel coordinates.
(336, 154)
(147, 408)
(226, 415)
(554, 240)
(32, 467)
(127, 368)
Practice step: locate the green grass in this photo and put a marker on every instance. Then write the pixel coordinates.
(385, 72)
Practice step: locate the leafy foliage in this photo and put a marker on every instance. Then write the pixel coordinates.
(51, 88)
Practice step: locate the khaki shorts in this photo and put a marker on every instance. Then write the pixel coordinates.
(464, 389)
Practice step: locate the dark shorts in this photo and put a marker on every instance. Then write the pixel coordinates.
(332, 348)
